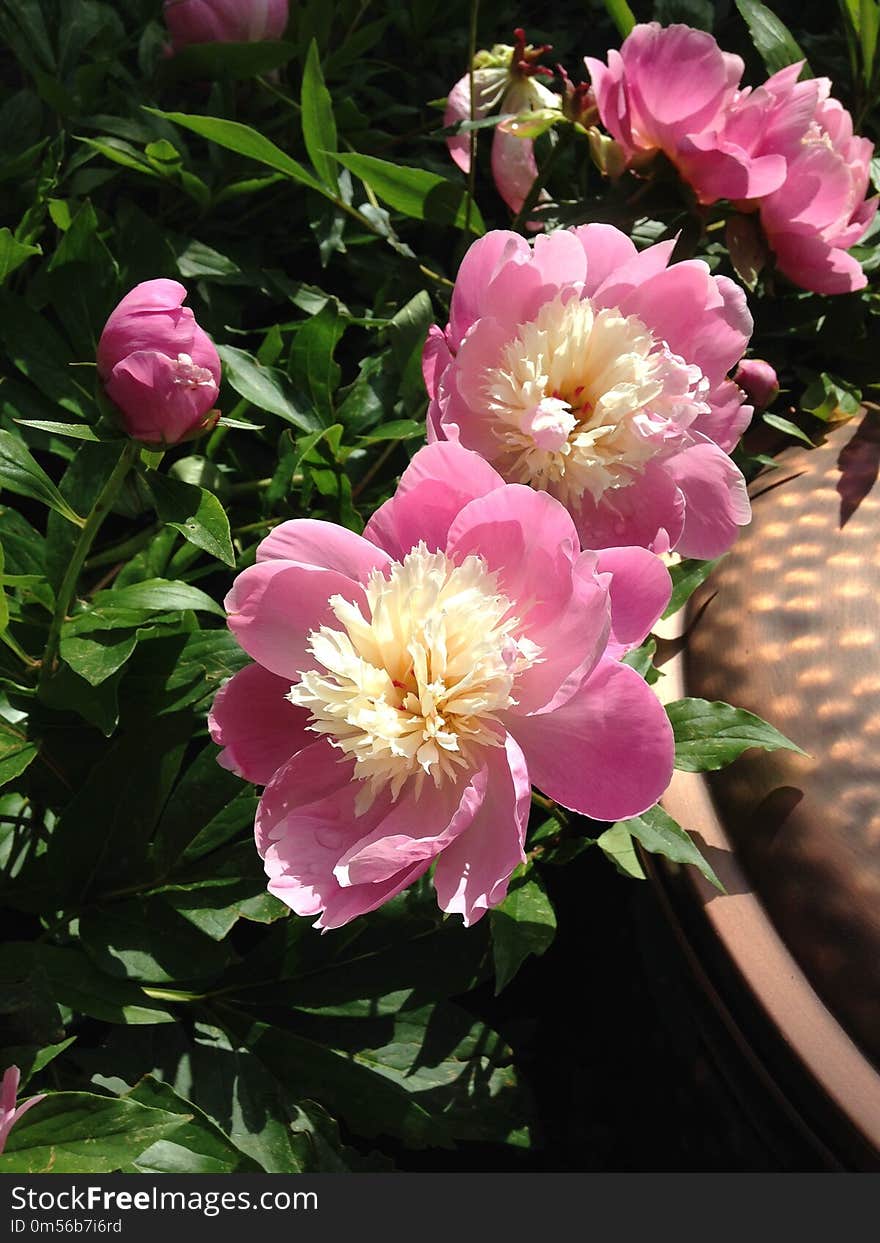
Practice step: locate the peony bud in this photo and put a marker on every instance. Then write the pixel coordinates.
(224, 21)
(158, 367)
(758, 381)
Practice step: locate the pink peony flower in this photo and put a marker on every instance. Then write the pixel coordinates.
(599, 374)
(157, 365)
(412, 684)
(821, 210)
(759, 382)
(673, 90)
(505, 79)
(224, 21)
(9, 1114)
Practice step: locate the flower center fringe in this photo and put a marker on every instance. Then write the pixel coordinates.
(582, 399)
(413, 689)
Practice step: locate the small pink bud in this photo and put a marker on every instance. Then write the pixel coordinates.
(158, 367)
(758, 381)
(225, 21)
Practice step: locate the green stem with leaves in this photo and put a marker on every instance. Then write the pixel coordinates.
(93, 522)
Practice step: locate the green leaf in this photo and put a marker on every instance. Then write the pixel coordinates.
(195, 513)
(78, 1133)
(102, 834)
(20, 473)
(68, 977)
(198, 1147)
(312, 366)
(622, 16)
(31, 1059)
(146, 940)
(868, 29)
(710, 735)
(157, 595)
(686, 577)
(523, 924)
(244, 141)
(318, 124)
(773, 40)
(790, 429)
(616, 844)
(830, 399)
(76, 431)
(13, 253)
(98, 656)
(415, 192)
(265, 387)
(17, 752)
(224, 62)
(204, 792)
(658, 833)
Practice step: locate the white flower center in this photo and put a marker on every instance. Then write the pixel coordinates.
(414, 689)
(582, 399)
(189, 375)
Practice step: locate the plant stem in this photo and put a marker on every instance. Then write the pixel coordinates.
(472, 136)
(96, 516)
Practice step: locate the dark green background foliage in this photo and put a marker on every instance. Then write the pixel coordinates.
(180, 1018)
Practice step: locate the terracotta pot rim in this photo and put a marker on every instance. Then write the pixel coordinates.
(739, 921)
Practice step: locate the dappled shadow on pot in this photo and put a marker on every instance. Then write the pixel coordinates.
(788, 628)
(859, 464)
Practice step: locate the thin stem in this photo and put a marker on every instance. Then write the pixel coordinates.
(122, 551)
(96, 516)
(472, 136)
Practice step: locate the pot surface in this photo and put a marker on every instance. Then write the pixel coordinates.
(788, 626)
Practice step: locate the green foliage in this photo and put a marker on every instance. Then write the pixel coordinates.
(772, 38)
(709, 736)
(523, 924)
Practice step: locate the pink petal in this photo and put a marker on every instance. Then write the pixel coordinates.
(513, 167)
(560, 258)
(275, 605)
(640, 589)
(530, 543)
(154, 406)
(814, 264)
(473, 872)
(414, 831)
(149, 317)
(325, 546)
(436, 357)
(439, 480)
(479, 268)
(716, 500)
(719, 170)
(257, 725)
(608, 752)
(306, 819)
(649, 512)
(606, 249)
(702, 318)
(727, 418)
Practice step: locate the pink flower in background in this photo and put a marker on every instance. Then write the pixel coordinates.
(505, 80)
(759, 382)
(9, 1114)
(673, 90)
(224, 21)
(821, 210)
(413, 683)
(158, 366)
(599, 374)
